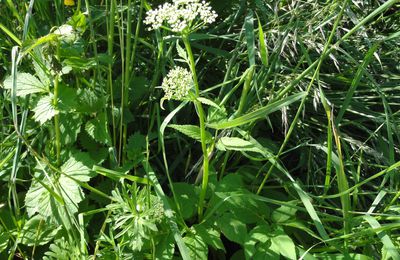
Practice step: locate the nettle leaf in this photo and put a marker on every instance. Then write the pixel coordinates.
(79, 166)
(42, 196)
(191, 131)
(197, 247)
(89, 101)
(136, 148)
(44, 109)
(236, 144)
(70, 127)
(37, 231)
(232, 227)
(26, 84)
(216, 115)
(98, 130)
(67, 99)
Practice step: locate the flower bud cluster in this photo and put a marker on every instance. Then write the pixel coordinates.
(177, 84)
(181, 15)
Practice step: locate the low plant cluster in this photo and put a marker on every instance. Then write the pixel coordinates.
(191, 129)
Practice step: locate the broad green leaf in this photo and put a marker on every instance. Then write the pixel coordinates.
(136, 148)
(210, 236)
(197, 247)
(26, 84)
(259, 113)
(283, 244)
(234, 229)
(192, 131)
(67, 98)
(187, 198)
(90, 101)
(70, 127)
(37, 231)
(283, 214)
(44, 109)
(236, 144)
(165, 248)
(78, 166)
(40, 200)
(97, 128)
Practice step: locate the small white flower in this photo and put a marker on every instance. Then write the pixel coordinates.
(177, 84)
(181, 15)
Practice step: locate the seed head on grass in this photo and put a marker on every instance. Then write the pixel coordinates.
(181, 16)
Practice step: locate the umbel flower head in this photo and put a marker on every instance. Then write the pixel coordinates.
(181, 15)
(177, 84)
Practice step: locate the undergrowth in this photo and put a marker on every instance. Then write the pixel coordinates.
(137, 129)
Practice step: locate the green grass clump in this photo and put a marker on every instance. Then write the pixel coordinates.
(254, 130)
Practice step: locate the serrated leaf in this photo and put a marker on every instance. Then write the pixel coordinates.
(89, 101)
(136, 148)
(44, 109)
(26, 84)
(98, 130)
(78, 166)
(181, 52)
(40, 200)
(236, 144)
(37, 231)
(191, 131)
(209, 102)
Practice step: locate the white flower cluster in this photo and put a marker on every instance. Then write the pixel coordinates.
(181, 15)
(177, 83)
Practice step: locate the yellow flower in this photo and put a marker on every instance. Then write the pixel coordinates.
(69, 2)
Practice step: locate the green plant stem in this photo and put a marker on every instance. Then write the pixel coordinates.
(200, 113)
(110, 45)
(57, 121)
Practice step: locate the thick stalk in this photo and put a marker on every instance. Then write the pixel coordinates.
(200, 113)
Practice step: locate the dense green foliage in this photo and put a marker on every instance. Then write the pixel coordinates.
(285, 144)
